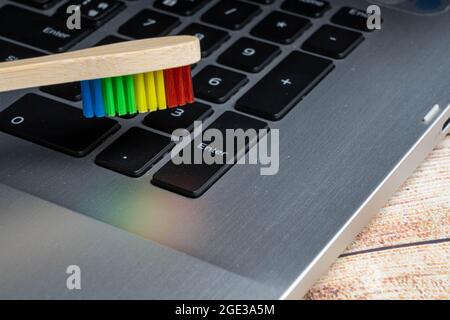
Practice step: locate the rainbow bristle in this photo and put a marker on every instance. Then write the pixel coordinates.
(143, 92)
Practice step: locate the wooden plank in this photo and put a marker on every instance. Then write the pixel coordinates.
(390, 258)
(417, 272)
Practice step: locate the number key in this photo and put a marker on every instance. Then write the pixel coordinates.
(217, 85)
(178, 118)
(149, 23)
(210, 38)
(55, 125)
(249, 55)
(181, 7)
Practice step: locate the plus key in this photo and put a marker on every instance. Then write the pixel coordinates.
(280, 90)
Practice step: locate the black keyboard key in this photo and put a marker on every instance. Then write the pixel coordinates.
(69, 91)
(217, 85)
(313, 9)
(11, 52)
(149, 23)
(210, 38)
(178, 118)
(192, 180)
(351, 18)
(249, 55)
(280, 90)
(94, 13)
(110, 40)
(281, 27)
(262, 1)
(333, 42)
(180, 7)
(38, 30)
(40, 4)
(134, 152)
(55, 125)
(231, 14)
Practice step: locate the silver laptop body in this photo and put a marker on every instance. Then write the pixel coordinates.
(344, 149)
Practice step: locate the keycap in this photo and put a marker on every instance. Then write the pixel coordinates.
(177, 118)
(262, 1)
(94, 13)
(55, 125)
(313, 9)
(38, 30)
(231, 14)
(210, 38)
(149, 23)
(110, 40)
(249, 55)
(180, 7)
(192, 180)
(333, 42)
(352, 18)
(134, 152)
(217, 84)
(40, 4)
(69, 91)
(10, 52)
(281, 27)
(280, 90)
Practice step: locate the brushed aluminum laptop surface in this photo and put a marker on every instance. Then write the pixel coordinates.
(343, 151)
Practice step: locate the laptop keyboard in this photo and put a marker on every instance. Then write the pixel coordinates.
(60, 126)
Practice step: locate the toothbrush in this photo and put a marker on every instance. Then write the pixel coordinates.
(116, 79)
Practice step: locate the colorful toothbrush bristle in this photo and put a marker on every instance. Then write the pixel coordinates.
(143, 92)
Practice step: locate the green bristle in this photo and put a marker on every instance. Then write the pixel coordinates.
(119, 91)
(129, 94)
(108, 96)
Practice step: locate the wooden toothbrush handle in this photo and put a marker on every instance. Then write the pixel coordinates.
(112, 60)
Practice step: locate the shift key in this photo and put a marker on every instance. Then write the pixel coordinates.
(37, 30)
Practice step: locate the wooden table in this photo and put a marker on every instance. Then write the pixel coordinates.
(404, 253)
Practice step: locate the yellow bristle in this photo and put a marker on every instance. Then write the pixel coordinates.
(139, 89)
(152, 101)
(160, 90)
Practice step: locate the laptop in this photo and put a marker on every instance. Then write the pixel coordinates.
(356, 109)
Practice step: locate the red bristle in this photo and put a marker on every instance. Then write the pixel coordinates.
(179, 85)
(171, 92)
(188, 86)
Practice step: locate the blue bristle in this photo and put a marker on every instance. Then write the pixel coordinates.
(88, 107)
(97, 93)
